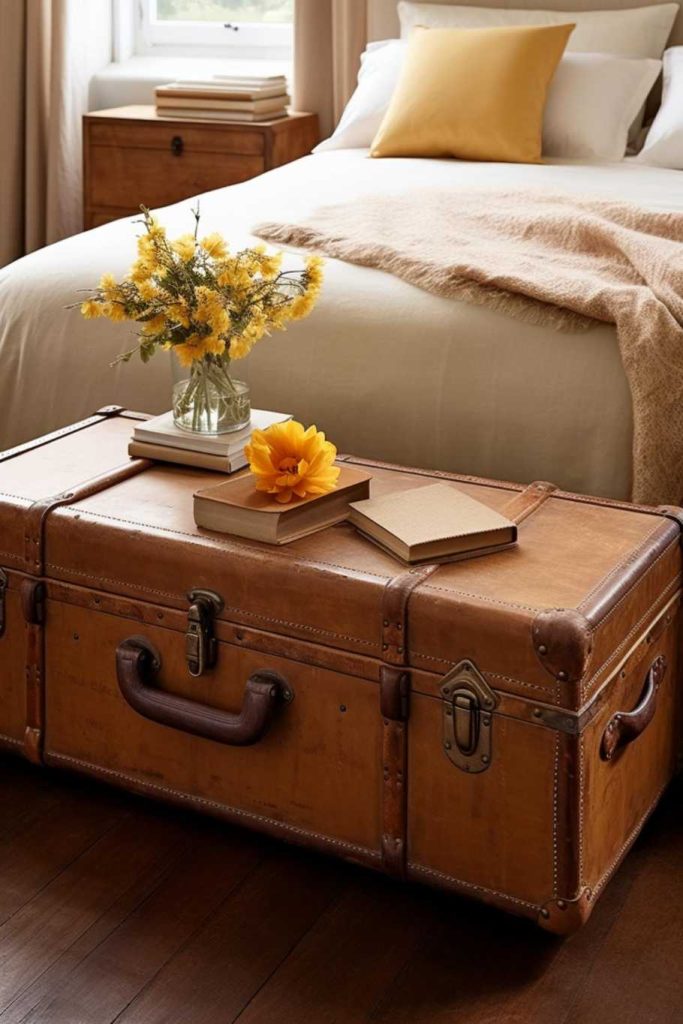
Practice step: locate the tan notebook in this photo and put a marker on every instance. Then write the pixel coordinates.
(237, 507)
(436, 523)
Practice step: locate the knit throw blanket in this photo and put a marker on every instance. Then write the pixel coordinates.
(548, 258)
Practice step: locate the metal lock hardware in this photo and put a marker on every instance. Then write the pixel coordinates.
(201, 648)
(3, 590)
(177, 145)
(468, 705)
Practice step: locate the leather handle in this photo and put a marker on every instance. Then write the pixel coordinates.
(137, 665)
(626, 726)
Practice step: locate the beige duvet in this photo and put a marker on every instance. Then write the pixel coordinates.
(387, 369)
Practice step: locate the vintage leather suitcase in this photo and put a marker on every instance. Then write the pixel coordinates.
(501, 726)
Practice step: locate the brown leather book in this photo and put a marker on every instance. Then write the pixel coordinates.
(237, 507)
(432, 524)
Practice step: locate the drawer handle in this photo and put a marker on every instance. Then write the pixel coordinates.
(626, 726)
(177, 145)
(137, 665)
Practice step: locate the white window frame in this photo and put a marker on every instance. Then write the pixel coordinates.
(252, 40)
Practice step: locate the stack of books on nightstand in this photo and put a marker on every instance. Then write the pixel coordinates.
(161, 440)
(225, 98)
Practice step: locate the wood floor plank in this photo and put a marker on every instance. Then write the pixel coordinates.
(638, 978)
(346, 963)
(35, 936)
(213, 978)
(54, 976)
(106, 980)
(41, 851)
(120, 910)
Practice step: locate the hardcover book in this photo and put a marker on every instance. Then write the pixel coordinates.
(162, 431)
(437, 523)
(198, 460)
(237, 507)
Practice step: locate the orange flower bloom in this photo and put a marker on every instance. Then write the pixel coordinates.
(291, 462)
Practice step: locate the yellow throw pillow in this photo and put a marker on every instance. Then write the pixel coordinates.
(473, 93)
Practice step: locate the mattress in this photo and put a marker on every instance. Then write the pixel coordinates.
(387, 370)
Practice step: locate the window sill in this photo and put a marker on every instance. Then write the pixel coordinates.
(133, 80)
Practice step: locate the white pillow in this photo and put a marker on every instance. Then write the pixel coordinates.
(635, 32)
(664, 143)
(380, 68)
(592, 101)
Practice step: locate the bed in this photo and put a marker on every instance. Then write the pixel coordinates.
(388, 370)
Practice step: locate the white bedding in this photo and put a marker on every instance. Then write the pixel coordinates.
(386, 369)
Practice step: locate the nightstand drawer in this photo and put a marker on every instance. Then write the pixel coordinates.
(132, 156)
(128, 177)
(174, 136)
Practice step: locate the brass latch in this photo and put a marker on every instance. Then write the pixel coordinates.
(3, 590)
(201, 649)
(468, 705)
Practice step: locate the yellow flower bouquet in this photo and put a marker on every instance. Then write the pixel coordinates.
(208, 306)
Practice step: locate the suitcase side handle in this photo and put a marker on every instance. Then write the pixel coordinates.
(626, 726)
(137, 665)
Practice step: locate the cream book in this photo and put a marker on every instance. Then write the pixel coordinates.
(162, 430)
(220, 115)
(432, 524)
(237, 507)
(266, 106)
(183, 457)
(220, 90)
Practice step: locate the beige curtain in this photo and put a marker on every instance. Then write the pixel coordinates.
(49, 50)
(329, 37)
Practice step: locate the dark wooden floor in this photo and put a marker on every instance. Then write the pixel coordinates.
(114, 909)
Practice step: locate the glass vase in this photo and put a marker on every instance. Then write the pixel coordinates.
(210, 401)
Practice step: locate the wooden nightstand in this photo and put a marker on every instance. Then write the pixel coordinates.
(132, 156)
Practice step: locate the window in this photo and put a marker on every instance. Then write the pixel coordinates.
(237, 28)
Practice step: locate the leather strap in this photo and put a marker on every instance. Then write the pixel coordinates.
(528, 501)
(395, 687)
(37, 514)
(39, 442)
(34, 557)
(394, 706)
(34, 562)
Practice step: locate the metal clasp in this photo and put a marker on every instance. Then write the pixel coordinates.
(468, 705)
(4, 583)
(201, 648)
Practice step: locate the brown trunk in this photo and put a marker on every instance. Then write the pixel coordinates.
(501, 726)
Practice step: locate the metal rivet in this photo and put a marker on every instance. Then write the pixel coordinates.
(538, 713)
(399, 627)
(76, 636)
(545, 913)
(486, 720)
(562, 676)
(400, 650)
(385, 647)
(447, 744)
(485, 759)
(342, 707)
(542, 649)
(562, 905)
(386, 623)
